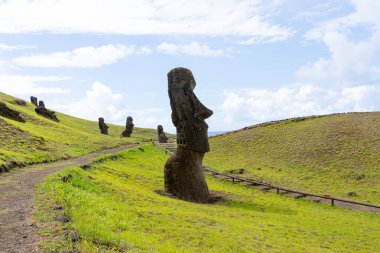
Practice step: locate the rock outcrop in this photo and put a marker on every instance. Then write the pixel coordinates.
(184, 176)
(7, 112)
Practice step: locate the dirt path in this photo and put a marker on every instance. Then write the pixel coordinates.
(17, 231)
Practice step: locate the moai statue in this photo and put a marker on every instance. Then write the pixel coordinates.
(184, 176)
(41, 110)
(102, 126)
(128, 127)
(41, 104)
(33, 100)
(161, 135)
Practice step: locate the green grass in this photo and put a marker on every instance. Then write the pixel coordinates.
(114, 208)
(331, 155)
(41, 140)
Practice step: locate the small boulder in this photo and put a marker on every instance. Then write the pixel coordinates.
(66, 178)
(352, 194)
(73, 236)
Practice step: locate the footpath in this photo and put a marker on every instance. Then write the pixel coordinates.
(18, 233)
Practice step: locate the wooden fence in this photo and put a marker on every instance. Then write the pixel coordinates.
(278, 189)
(286, 190)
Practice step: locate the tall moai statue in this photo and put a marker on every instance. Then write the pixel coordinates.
(184, 176)
(102, 126)
(33, 100)
(161, 135)
(128, 127)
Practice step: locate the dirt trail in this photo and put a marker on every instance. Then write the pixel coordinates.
(17, 231)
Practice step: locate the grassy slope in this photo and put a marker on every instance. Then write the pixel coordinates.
(331, 155)
(40, 139)
(114, 207)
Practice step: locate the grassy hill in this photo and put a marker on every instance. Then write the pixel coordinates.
(113, 206)
(41, 140)
(332, 155)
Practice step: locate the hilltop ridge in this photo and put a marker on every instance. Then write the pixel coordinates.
(337, 154)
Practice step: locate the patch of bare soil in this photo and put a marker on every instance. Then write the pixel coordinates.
(18, 233)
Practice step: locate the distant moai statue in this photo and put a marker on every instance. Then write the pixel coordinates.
(102, 126)
(161, 135)
(128, 127)
(41, 104)
(33, 100)
(184, 176)
(41, 110)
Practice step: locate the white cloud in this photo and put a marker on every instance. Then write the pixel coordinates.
(348, 60)
(246, 18)
(102, 101)
(193, 48)
(144, 51)
(366, 13)
(4, 46)
(351, 62)
(81, 57)
(26, 85)
(248, 106)
(7, 47)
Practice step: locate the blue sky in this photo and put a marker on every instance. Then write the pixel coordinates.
(253, 60)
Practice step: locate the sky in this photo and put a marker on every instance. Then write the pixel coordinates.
(253, 61)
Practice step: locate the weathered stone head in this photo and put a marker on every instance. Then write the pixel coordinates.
(129, 121)
(128, 127)
(188, 113)
(33, 100)
(161, 135)
(102, 126)
(41, 104)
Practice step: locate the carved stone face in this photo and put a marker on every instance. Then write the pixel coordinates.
(101, 121)
(180, 79)
(188, 113)
(129, 121)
